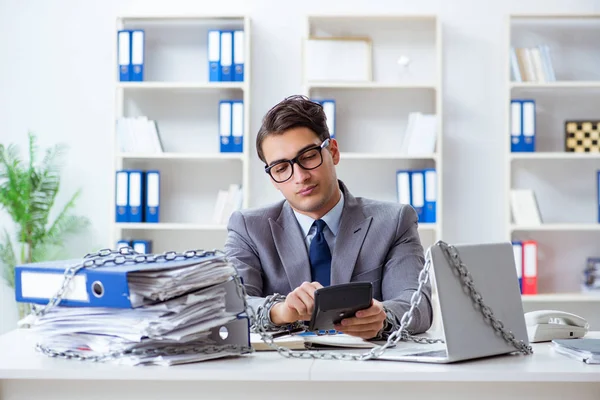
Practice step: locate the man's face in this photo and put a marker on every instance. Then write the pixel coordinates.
(308, 191)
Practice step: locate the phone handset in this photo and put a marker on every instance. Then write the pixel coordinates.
(546, 325)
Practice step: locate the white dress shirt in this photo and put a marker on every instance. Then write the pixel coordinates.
(332, 219)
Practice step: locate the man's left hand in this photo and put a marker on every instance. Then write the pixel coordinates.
(366, 323)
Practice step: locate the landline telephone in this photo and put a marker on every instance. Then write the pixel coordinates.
(546, 325)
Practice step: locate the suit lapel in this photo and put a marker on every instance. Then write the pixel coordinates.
(291, 247)
(353, 230)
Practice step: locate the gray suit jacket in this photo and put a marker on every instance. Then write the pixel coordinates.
(377, 242)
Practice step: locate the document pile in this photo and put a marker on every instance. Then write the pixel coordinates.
(586, 350)
(136, 309)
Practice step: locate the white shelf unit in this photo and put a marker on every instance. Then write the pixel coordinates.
(178, 95)
(372, 116)
(564, 183)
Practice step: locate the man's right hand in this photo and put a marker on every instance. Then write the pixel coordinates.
(298, 305)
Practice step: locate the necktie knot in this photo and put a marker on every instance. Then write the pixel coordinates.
(320, 225)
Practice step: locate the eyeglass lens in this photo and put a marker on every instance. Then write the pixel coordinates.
(310, 159)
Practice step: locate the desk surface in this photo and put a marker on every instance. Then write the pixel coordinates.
(19, 360)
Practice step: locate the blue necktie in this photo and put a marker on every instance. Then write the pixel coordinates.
(320, 256)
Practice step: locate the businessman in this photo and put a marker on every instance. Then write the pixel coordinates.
(321, 234)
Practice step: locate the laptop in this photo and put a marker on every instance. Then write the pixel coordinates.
(467, 335)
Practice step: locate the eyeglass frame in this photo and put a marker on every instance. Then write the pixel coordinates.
(295, 161)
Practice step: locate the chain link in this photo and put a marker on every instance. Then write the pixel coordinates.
(126, 255)
(402, 334)
(259, 320)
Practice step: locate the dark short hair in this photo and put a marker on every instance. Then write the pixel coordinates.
(292, 112)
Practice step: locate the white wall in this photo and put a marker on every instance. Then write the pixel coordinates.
(56, 79)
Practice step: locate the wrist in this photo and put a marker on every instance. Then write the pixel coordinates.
(275, 314)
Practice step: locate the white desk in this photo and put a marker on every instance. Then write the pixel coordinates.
(26, 374)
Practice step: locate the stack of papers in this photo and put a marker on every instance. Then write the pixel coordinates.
(177, 312)
(586, 350)
(312, 341)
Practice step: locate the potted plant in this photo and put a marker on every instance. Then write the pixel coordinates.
(28, 190)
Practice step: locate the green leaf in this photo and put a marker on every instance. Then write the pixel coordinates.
(8, 260)
(65, 223)
(28, 192)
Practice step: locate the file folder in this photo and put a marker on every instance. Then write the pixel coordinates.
(123, 243)
(124, 54)
(238, 56)
(329, 109)
(103, 286)
(237, 126)
(225, 126)
(226, 56)
(136, 196)
(152, 212)
(417, 192)
(142, 246)
(529, 125)
(518, 253)
(430, 208)
(403, 186)
(214, 56)
(530, 267)
(122, 196)
(516, 126)
(137, 55)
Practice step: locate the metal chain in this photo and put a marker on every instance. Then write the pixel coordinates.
(401, 334)
(259, 323)
(122, 256)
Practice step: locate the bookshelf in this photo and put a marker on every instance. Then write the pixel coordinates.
(372, 114)
(177, 93)
(564, 183)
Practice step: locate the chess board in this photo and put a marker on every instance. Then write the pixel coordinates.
(582, 136)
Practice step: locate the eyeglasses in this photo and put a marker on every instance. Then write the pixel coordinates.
(310, 158)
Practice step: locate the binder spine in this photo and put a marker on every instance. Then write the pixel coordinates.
(518, 254)
(516, 131)
(430, 208)
(238, 55)
(214, 55)
(418, 193)
(226, 61)
(237, 126)
(122, 196)
(225, 126)
(329, 109)
(403, 186)
(152, 212)
(124, 54)
(88, 288)
(136, 196)
(530, 267)
(137, 55)
(529, 125)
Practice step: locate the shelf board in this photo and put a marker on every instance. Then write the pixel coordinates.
(558, 227)
(172, 226)
(181, 85)
(555, 16)
(428, 226)
(550, 155)
(181, 156)
(560, 297)
(369, 85)
(184, 17)
(385, 156)
(556, 84)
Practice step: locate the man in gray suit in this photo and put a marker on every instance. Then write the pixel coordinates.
(321, 235)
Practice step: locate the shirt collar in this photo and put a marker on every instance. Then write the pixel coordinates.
(332, 218)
